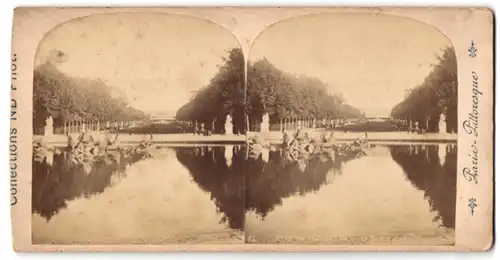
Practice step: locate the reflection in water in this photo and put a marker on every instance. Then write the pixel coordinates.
(275, 175)
(319, 193)
(153, 199)
(220, 172)
(58, 180)
(391, 191)
(433, 170)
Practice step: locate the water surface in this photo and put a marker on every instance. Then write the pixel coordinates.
(163, 199)
(211, 194)
(404, 192)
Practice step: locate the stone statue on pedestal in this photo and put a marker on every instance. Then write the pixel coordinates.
(264, 126)
(228, 154)
(49, 126)
(442, 124)
(228, 126)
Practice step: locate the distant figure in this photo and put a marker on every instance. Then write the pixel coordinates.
(202, 129)
(366, 135)
(195, 128)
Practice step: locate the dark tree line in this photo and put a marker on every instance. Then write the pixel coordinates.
(269, 90)
(286, 95)
(66, 98)
(439, 182)
(224, 94)
(54, 185)
(436, 95)
(225, 183)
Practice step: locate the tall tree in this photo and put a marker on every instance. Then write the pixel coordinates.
(436, 95)
(65, 98)
(269, 90)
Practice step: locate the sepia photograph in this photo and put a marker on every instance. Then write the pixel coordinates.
(138, 132)
(251, 129)
(353, 132)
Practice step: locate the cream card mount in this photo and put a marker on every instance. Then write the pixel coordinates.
(252, 129)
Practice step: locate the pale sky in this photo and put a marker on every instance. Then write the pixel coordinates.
(157, 60)
(371, 59)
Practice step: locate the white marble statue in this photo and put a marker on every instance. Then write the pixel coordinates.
(442, 124)
(49, 126)
(228, 125)
(264, 125)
